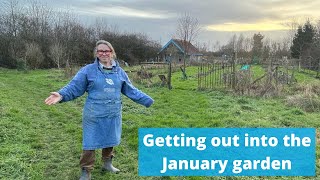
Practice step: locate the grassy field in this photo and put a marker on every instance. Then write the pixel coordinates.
(44, 142)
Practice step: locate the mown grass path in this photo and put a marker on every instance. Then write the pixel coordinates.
(44, 142)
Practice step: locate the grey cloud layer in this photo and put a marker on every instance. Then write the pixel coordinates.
(209, 12)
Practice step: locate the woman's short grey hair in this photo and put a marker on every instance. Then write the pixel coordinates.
(114, 55)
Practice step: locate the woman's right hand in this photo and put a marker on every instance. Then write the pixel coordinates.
(54, 98)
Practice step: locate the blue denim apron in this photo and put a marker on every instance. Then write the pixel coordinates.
(102, 112)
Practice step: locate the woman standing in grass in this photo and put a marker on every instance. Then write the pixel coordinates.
(104, 81)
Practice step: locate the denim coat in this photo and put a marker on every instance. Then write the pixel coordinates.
(102, 122)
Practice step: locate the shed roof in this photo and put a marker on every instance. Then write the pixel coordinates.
(181, 45)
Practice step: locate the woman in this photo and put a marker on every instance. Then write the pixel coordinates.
(104, 81)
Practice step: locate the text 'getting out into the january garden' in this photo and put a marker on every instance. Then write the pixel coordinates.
(226, 151)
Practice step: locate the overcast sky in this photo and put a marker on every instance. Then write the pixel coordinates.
(219, 19)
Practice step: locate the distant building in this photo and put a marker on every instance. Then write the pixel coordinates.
(174, 51)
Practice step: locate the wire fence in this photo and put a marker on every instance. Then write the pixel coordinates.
(242, 80)
(216, 75)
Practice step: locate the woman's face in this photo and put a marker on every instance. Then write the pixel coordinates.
(104, 53)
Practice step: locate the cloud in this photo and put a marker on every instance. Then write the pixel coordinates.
(288, 9)
(124, 12)
(213, 13)
(239, 27)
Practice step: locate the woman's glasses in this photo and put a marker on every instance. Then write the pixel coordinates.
(103, 52)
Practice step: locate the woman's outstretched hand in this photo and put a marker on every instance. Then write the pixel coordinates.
(54, 98)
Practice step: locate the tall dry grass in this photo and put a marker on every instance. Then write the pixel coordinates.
(306, 97)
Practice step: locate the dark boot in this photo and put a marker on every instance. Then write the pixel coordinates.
(85, 175)
(107, 165)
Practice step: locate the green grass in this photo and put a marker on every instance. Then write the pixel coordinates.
(44, 142)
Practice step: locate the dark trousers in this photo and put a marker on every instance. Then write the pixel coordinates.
(88, 157)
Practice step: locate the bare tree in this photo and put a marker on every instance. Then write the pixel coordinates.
(57, 54)
(203, 47)
(39, 17)
(292, 25)
(10, 19)
(216, 46)
(187, 30)
(64, 26)
(240, 47)
(239, 43)
(100, 27)
(248, 44)
(232, 43)
(230, 48)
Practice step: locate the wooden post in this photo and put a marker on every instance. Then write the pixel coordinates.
(199, 77)
(233, 85)
(317, 76)
(276, 79)
(205, 74)
(184, 66)
(169, 76)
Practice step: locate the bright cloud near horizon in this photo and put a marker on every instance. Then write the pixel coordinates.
(240, 27)
(219, 19)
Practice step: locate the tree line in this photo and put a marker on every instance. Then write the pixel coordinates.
(255, 49)
(38, 37)
(35, 36)
(302, 43)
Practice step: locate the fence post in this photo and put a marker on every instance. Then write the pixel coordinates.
(233, 69)
(276, 79)
(199, 77)
(317, 76)
(169, 77)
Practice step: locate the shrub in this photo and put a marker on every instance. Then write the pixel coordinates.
(34, 55)
(22, 64)
(8, 62)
